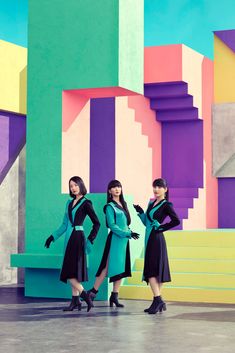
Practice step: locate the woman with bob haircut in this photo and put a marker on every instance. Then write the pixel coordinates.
(156, 265)
(76, 246)
(115, 262)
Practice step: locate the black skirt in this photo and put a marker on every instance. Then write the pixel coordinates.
(74, 264)
(104, 259)
(156, 262)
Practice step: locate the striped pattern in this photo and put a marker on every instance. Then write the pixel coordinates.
(202, 267)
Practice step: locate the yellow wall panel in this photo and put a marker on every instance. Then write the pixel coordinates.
(224, 72)
(13, 77)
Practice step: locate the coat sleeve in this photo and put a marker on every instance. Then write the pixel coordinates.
(113, 226)
(62, 229)
(175, 221)
(94, 219)
(143, 215)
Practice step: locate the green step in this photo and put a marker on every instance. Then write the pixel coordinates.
(30, 260)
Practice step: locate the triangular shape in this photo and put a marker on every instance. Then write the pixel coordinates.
(228, 37)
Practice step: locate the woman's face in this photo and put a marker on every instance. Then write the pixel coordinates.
(74, 188)
(116, 191)
(159, 191)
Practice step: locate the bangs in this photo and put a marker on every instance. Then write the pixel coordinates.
(161, 183)
(114, 184)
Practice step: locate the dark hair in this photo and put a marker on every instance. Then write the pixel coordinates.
(112, 184)
(161, 183)
(81, 185)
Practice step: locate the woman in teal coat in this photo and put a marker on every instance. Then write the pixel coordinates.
(115, 262)
(76, 245)
(156, 266)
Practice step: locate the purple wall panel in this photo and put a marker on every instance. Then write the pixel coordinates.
(17, 133)
(102, 143)
(4, 141)
(226, 202)
(182, 153)
(12, 137)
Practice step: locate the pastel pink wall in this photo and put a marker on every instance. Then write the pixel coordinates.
(163, 63)
(211, 182)
(150, 127)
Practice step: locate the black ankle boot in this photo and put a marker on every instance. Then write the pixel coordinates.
(87, 299)
(114, 300)
(163, 307)
(92, 294)
(75, 303)
(79, 304)
(157, 305)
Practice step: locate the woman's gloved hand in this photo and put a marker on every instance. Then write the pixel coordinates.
(48, 241)
(135, 235)
(138, 208)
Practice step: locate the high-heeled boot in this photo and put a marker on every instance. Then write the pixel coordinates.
(92, 294)
(163, 307)
(75, 303)
(157, 305)
(87, 299)
(114, 300)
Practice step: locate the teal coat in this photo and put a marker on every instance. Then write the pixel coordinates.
(150, 223)
(117, 222)
(67, 227)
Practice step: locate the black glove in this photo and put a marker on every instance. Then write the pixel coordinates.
(135, 235)
(91, 238)
(48, 241)
(138, 209)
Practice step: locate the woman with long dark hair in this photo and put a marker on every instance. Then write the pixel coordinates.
(115, 262)
(76, 245)
(156, 265)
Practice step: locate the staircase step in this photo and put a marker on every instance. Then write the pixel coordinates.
(195, 265)
(208, 239)
(190, 279)
(181, 294)
(182, 212)
(169, 89)
(200, 252)
(179, 227)
(182, 202)
(183, 192)
(177, 114)
(183, 101)
(202, 268)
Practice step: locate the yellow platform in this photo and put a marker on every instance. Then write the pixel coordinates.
(202, 268)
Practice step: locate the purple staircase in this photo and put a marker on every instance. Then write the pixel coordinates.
(173, 104)
(182, 199)
(171, 101)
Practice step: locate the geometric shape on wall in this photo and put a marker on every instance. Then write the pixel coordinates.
(74, 100)
(133, 155)
(224, 72)
(12, 140)
(13, 73)
(224, 140)
(228, 37)
(84, 113)
(226, 202)
(102, 143)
